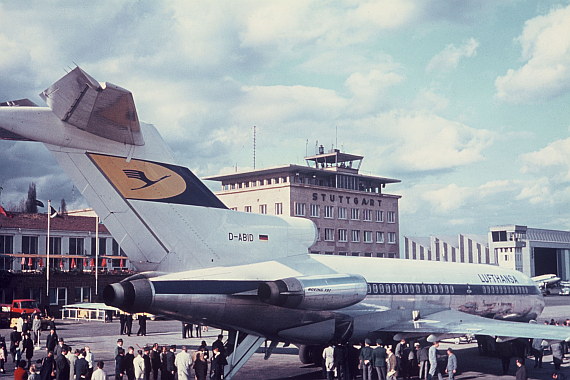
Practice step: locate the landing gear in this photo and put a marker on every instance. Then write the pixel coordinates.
(311, 354)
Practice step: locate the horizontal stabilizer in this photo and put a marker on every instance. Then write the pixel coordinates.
(8, 135)
(18, 103)
(104, 110)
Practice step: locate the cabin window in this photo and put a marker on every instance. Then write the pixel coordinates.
(394, 290)
(406, 290)
(435, 289)
(451, 290)
(400, 289)
(440, 288)
(446, 289)
(429, 289)
(484, 290)
(369, 288)
(387, 288)
(424, 289)
(375, 287)
(418, 290)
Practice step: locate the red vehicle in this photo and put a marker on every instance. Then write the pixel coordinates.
(24, 305)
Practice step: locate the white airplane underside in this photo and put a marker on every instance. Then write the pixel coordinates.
(243, 272)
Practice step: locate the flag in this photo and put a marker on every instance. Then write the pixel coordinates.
(61, 263)
(30, 263)
(92, 263)
(121, 265)
(84, 262)
(41, 263)
(23, 261)
(104, 262)
(2, 211)
(73, 263)
(263, 238)
(54, 214)
(39, 203)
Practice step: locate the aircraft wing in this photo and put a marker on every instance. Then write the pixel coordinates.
(455, 323)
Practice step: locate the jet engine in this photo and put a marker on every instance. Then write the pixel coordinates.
(325, 292)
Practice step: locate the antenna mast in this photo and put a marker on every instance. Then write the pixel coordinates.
(254, 127)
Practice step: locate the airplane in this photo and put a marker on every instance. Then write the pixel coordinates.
(250, 274)
(546, 280)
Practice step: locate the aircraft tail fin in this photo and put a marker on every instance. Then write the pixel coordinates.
(159, 213)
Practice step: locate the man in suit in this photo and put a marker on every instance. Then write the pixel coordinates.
(155, 361)
(51, 341)
(62, 365)
(81, 366)
(170, 359)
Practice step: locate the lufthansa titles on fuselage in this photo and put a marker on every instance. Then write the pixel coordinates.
(490, 278)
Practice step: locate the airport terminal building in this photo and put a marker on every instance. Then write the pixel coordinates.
(73, 241)
(353, 215)
(533, 251)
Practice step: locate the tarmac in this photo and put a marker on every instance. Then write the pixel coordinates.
(284, 363)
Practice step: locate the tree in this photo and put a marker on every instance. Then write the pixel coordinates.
(32, 202)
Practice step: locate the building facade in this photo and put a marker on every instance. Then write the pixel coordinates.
(463, 248)
(533, 251)
(352, 214)
(73, 244)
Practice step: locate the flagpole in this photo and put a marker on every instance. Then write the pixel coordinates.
(96, 254)
(47, 261)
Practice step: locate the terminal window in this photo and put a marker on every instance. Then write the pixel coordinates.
(342, 235)
(300, 209)
(354, 214)
(379, 216)
(499, 235)
(278, 208)
(6, 243)
(263, 209)
(391, 217)
(315, 211)
(329, 212)
(329, 234)
(355, 236)
(342, 212)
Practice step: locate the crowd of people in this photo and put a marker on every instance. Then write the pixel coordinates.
(163, 362)
(386, 362)
(154, 362)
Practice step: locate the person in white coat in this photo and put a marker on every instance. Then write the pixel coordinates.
(328, 356)
(183, 363)
(138, 363)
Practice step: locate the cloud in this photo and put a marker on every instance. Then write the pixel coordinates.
(553, 159)
(545, 43)
(448, 59)
(423, 141)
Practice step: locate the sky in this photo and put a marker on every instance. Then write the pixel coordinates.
(466, 102)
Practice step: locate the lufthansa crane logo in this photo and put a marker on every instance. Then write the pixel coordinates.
(139, 174)
(138, 179)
